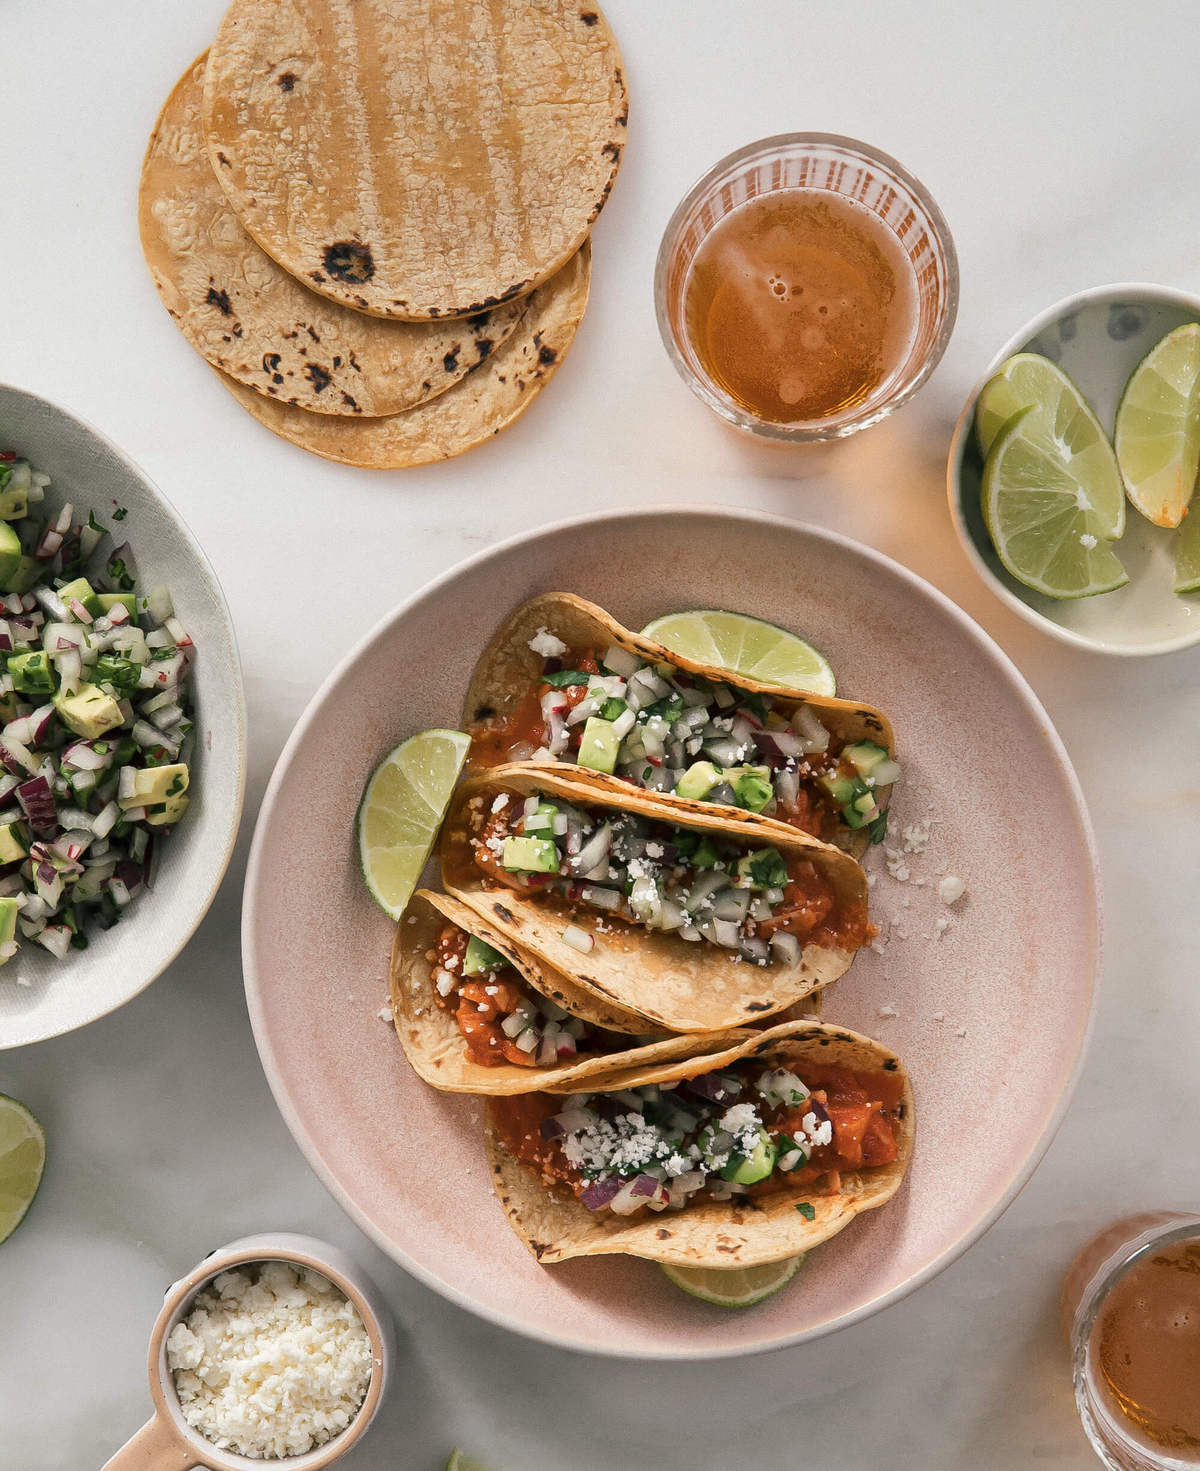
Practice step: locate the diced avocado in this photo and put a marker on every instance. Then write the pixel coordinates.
(31, 673)
(481, 959)
(109, 600)
(862, 810)
(530, 855)
(840, 788)
(600, 744)
(706, 855)
(765, 869)
(155, 785)
(749, 1169)
(10, 553)
(697, 781)
(22, 578)
(89, 712)
(541, 820)
(166, 814)
(82, 591)
(8, 924)
(753, 788)
(12, 847)
(864, 757)
(13, 504)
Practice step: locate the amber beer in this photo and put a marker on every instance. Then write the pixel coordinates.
(1136, 1338)
(800, 304)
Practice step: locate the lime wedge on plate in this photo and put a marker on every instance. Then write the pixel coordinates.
(745, 646)
(729, 1288)
(1157, 435)
(459, 1462)
(1049, 517)
(401, 811)
(22, 1160)
(1029, 381)
(1187, 554)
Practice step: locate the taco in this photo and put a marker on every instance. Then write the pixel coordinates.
(697, 922)
(727, 1160)
(562, 681)
(476, 1015)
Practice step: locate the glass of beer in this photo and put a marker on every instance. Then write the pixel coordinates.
(1131, 1310)
(806, 287)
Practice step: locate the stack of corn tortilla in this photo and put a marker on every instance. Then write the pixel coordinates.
(372, 216)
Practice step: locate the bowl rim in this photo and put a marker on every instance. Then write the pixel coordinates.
(238, 690)
(1147, 291)
(254, 883)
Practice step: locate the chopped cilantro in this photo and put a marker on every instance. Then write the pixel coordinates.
(756, 704)
(167, 653)
(94, 524)
(176, 787)
(806, 1210)
(706, 855)
(562, 678)
(5, 475)
(647, 773)
(670, 708)
(612, 708)
(766, 869)
(120, 513)
(878, 828)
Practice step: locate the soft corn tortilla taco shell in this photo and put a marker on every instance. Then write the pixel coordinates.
(739, 1233)
(416, 158)
(680, 986)
(250, 318)
(435, 1046)
(508, 668)
(472, 411)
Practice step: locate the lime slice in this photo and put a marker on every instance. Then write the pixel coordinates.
(1041, 514)
(1029, 381)
(740, 1288)
(401, 811)
(459, 1462)
(22, 1160)
(1187, 554)
(745, 646)
(1157, 434)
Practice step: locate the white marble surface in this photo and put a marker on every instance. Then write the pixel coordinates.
(1058, 146)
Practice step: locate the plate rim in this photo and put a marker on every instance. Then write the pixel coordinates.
(255, 883)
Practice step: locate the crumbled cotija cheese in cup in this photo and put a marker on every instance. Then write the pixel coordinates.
(271, 1361)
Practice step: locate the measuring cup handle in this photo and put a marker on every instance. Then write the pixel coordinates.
(154, 1448)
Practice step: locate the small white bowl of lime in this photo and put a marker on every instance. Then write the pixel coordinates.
(1098, 338)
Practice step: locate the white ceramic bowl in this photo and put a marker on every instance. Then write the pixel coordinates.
(42, 997)
(1097, 337)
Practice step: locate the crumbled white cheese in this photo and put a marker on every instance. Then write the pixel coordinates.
(544, 643)
(896, 864)
(916, 836)
(888, 1011)
(384, 1013)
(951, 889)
(940, 925)
(500, 802)
(271, 1361)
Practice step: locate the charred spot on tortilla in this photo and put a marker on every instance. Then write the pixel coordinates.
(222, 159)
(504, 913)
(286, 81)
(311, 333)
(588, 17)
(890, 1065)
(219, 299)
(758, 1006)
(613, 151)
(483, 346)
(318, 376)
(663, 1234)
(546, 356)
(450, 361)
(270, 362)
(316, 276)
(351, 403)
(349, 260)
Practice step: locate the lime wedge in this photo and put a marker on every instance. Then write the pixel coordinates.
(1029, 381)
(401, 811)
(1041, 513)
(745, 646)
(22, 1160)
(735, 1288)
(459, 1462)
(1187, 554)
(1157, 434)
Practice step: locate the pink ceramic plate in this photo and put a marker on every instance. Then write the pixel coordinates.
(991, 1018)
